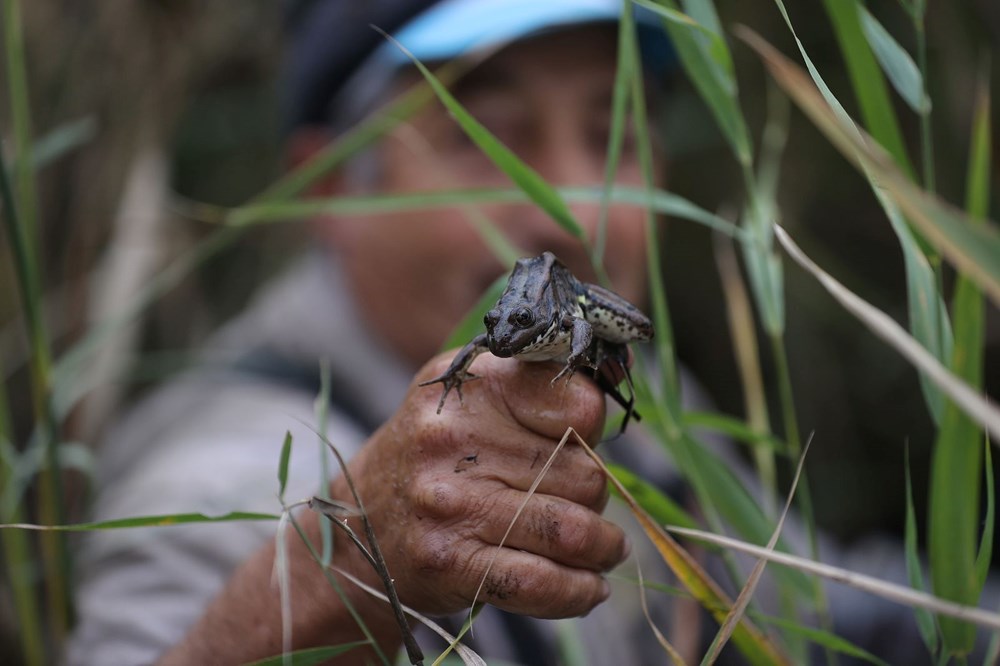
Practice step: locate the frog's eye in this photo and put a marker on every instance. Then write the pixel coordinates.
(523, 317)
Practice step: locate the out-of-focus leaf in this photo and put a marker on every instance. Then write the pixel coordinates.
(286, 452)
(867, 81)
(660, 201)
(897, 64)
(520, 173)
(752, 643)
(308, 656)
(472, 324)
(893, 592)
(974, 404)
(146, 521)
(703, 59)
(661, 507)
(972, 249)
(914, 567)
(928, 317)
(957, 465)
(62, 140)
(743, 600)
(619, 108)
(734, 428)
(985, 555)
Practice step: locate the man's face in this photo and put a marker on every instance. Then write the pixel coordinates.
(415, 275)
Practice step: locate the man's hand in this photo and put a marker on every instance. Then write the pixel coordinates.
(442, 490)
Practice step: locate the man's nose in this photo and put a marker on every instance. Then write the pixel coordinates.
(562, 157)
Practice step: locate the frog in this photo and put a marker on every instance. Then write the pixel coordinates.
(546, 313)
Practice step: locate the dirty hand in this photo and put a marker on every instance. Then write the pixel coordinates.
(442, 490)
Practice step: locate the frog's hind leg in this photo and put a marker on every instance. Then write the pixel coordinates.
(617, 356)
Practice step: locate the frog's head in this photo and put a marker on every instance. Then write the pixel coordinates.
(525, 309)
(508, 331)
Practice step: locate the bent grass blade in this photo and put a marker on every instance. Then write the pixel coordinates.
(891, 591)
(974, 249)
(753, 643)
(974, 404)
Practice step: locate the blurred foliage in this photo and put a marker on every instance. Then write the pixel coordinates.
(195, 82)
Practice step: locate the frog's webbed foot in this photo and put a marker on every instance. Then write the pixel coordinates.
(568, 371)
(458, 373)
(451, 379)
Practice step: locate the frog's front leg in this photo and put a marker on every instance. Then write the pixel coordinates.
(581, 336)
(458, 372)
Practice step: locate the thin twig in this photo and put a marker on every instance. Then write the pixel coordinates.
(377, 560)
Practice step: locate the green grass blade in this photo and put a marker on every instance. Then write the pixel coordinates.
(472, 324)
(286, 453)
(746, 351)
(957, 463)
(18, 555)
(720, 494)
(619, 108)
(20, 114)
(821, 637)
(956, 470)
(733, 428)
(664, 340)
(914, 567)
(869, 584)
(51, 506)
(738, 507)
(660, 201)
(985, 556)
(526, 178)
(704, 61)
(308, 656)
(661, 507)
(928, 315)
(356, 139)
(974, 249)
(146, 521)
(897, 64)
(971, 401)
(321, 412)
(867, 81)
(977, 191)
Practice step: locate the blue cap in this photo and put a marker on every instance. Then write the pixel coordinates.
(332, 41)
(454, 28)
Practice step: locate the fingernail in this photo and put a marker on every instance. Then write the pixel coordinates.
(607, 588)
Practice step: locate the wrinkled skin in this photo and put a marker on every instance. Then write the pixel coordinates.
(442, 490)
(448, 514)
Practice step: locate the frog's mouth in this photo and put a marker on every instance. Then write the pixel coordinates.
(500, 346)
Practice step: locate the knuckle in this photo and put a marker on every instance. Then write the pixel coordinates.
(440, 498)
(435, 552)
(588, 407)
(593, 487)
(578, 534)
(563, 595)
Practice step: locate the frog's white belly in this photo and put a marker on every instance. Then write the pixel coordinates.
(554, 344)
